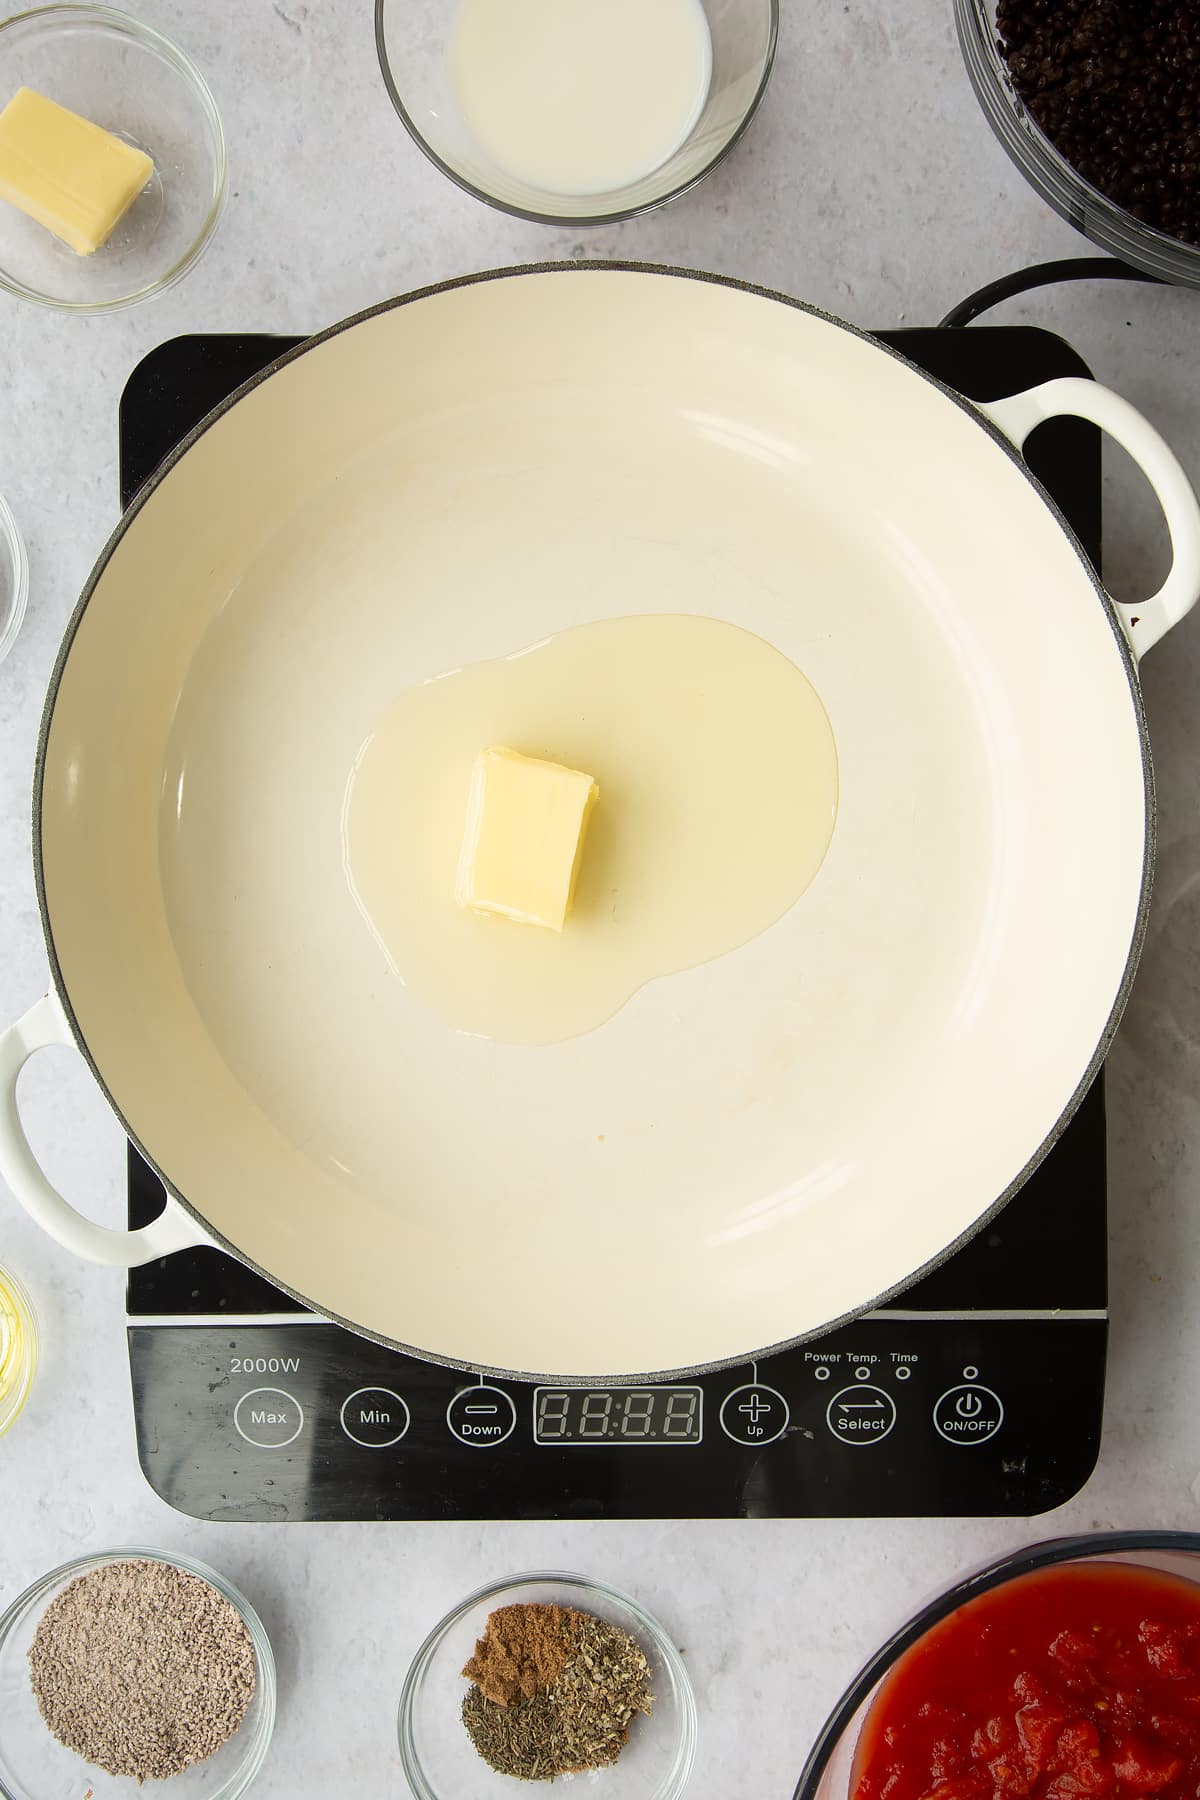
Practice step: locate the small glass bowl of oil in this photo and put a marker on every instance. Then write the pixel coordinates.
(14, 580)
(18, 1347)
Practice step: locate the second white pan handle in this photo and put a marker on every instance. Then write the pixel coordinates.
(174, 1229)
(1145, 622)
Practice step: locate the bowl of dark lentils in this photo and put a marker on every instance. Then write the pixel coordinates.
(1098, 104)
(128, 1667)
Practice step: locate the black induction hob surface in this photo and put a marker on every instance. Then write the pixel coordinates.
(977, 1391)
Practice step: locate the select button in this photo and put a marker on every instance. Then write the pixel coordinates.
(374, 1417)
(861, 1415)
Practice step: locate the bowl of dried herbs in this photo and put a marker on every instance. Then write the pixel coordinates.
(541, 1676)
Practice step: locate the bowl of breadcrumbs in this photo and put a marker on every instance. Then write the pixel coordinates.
(133, 1666)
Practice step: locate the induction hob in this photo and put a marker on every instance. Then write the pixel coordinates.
(979, 1392)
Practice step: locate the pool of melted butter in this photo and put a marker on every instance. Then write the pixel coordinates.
(718, 783)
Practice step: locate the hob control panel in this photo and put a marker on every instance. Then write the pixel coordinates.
(895, 1415)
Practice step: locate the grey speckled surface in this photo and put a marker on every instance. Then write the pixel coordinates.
(871, 186)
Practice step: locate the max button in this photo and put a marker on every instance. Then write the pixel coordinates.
(269, 1417)
(481, 1417)
(969, 1414)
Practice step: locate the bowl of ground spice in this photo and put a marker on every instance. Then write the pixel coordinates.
(545, 1676)
(133, 1666)
(1098, 104)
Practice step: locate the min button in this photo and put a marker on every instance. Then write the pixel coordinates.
(269, 1418)
(374, 1417)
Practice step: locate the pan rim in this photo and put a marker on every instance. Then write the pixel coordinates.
(589, 269)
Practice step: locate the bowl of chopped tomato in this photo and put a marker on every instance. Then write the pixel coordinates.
(1066, 1671)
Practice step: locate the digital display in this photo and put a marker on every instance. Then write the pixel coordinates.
(579, 1416)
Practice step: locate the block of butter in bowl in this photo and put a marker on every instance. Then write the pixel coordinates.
(73, 177)
(112, 159)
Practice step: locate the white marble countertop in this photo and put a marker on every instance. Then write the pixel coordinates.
(871, 185)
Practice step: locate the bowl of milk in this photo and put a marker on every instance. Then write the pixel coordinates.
(576, 111)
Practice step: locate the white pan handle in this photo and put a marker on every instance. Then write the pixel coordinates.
(173, 1229)
(1016, 417)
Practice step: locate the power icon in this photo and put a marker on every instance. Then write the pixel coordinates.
(968, 1414)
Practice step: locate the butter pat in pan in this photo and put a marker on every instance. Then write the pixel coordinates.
(523, 839)
(74, 178)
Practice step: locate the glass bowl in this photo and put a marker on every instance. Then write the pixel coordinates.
(35, 1766)
(413, 41)
(1082, 205)
(132, 81)
(18, 1337)
(437, 1755)
(14, 580)
(826, 1774)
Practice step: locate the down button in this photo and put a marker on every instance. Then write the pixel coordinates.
(481, 1416)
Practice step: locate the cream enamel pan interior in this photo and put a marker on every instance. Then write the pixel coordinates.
(746, 1152)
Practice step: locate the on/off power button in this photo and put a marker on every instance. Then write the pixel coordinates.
(969, 1414)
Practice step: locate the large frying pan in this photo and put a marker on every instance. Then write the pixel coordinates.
(747, 1152)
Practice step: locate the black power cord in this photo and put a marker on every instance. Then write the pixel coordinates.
(1067, 268)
